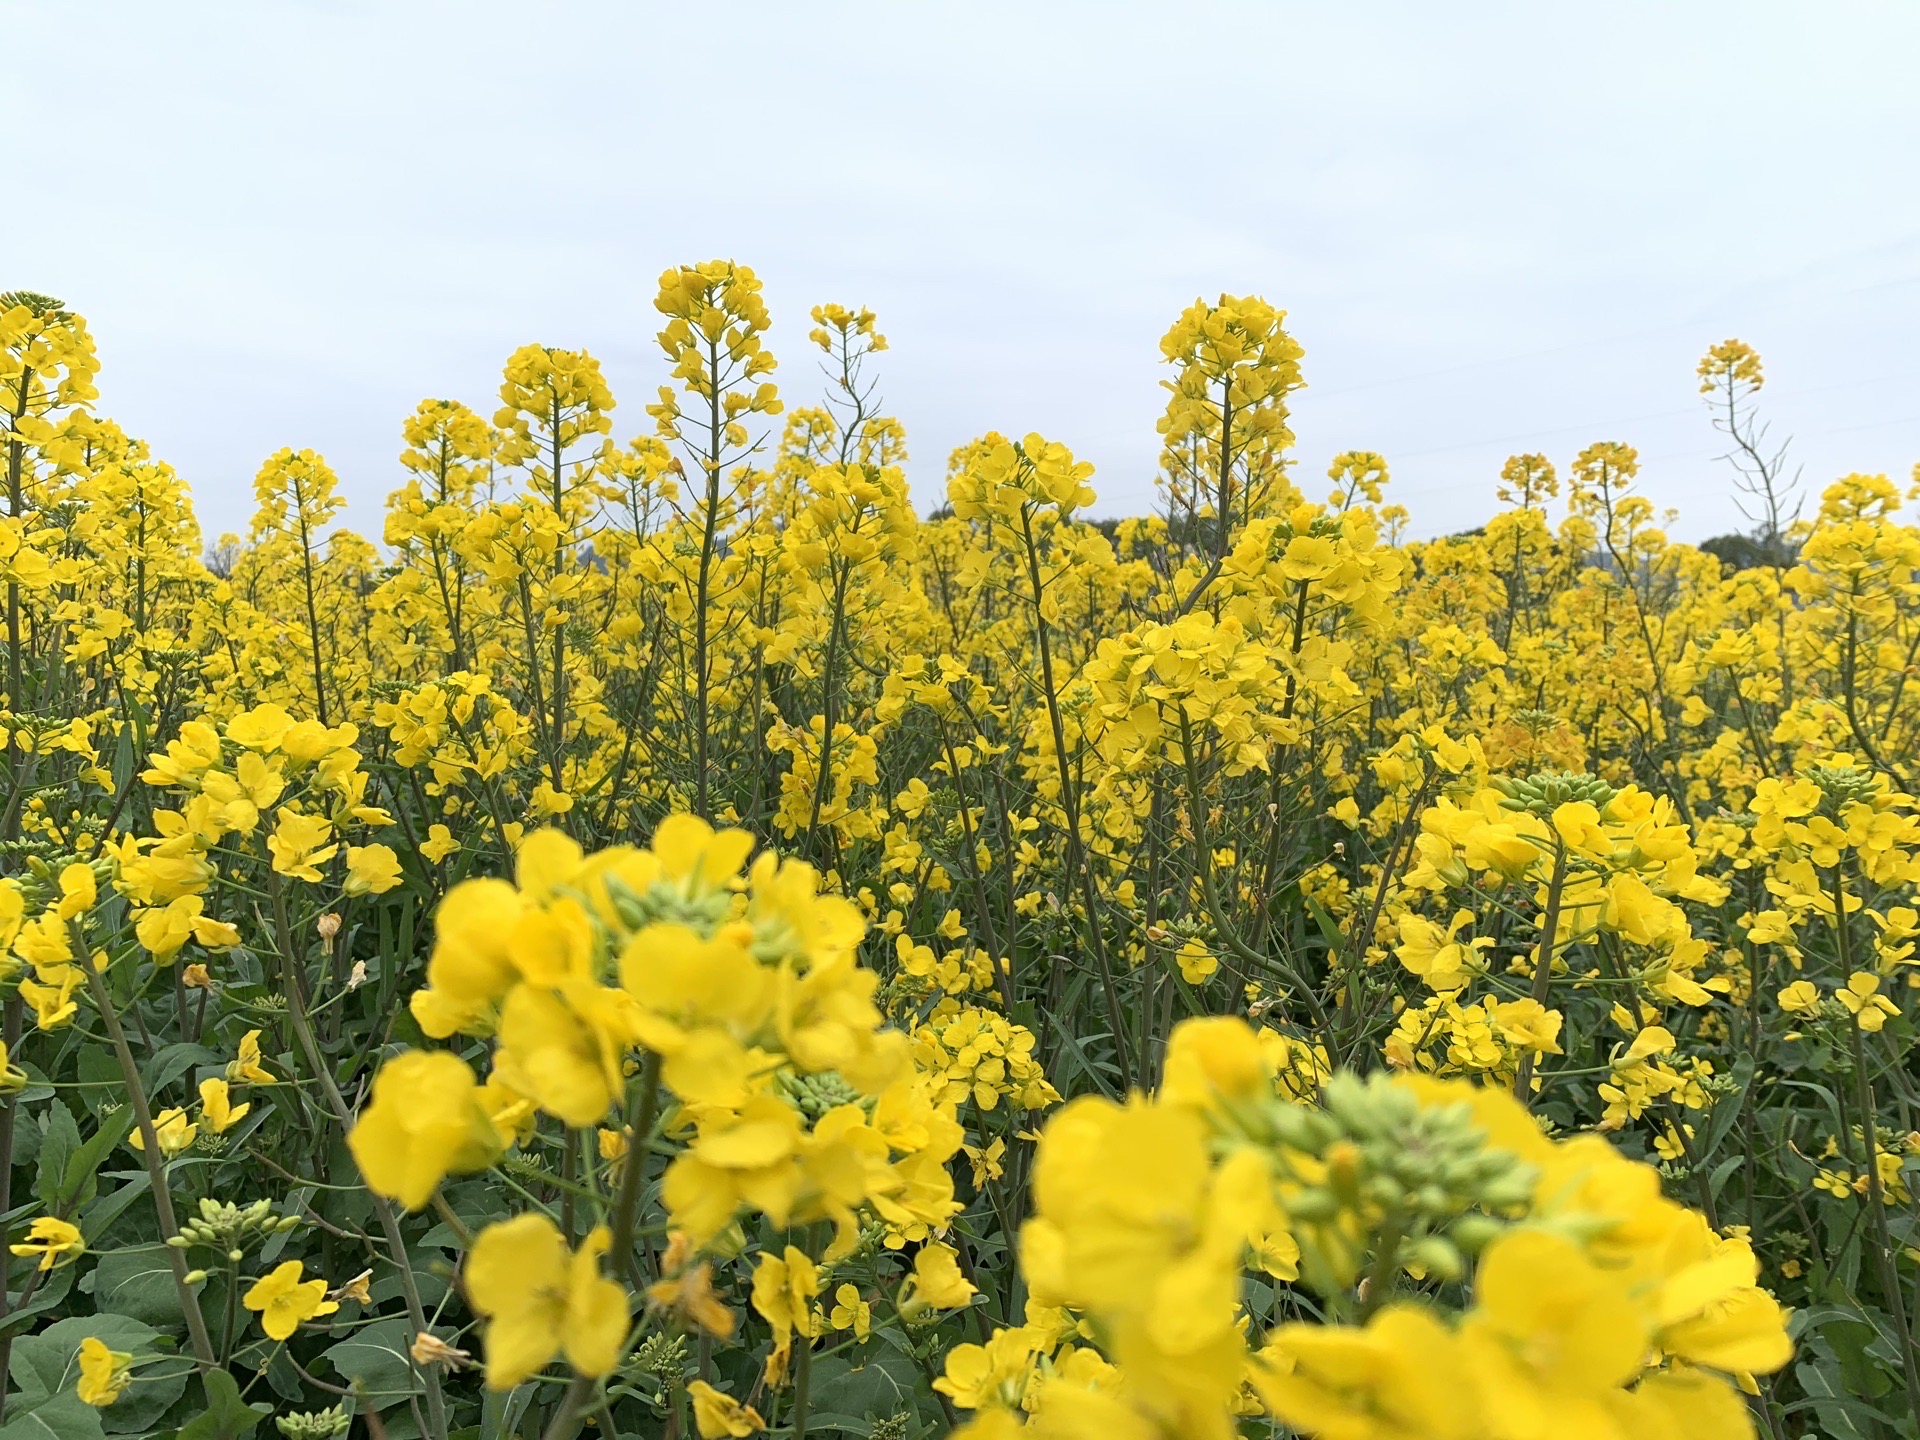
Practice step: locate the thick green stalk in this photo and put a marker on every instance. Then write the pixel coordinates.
(16, 682)
(709, 534)
(633, 1175)
(1543, 963)
(150, 1154)
(1077, 860)
(802, 1387)
(572, 1408)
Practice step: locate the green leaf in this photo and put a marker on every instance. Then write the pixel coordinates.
(99, 1075)
(1840, 1415)
(378, 1362)
(1329, 927)
(1721, 1173)
(501, 1414)
(847, 1396)
(39, 1371)
(50, 1296)
(80, 1183)
(98, 1217)
(123, 756)
(295, 1203)
(26, 1129)
(1086, 1064)
(401, 1425)
(60, 1141)
(227, 1416)
(173, 1061)
(61, 1417)
(47, 1366)
(155, 1389)
(1841, 1335)
(138, 1282)
(1726, 1110)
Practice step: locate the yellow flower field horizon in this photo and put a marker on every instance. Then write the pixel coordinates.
(672, 942)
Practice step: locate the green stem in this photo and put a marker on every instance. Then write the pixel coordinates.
(1078, 862)
(567, 1416)
(149, 1154)
(802, 1385)
(634, 1174)
(233, 1297)
(1210, 889)
(1543, 964)
(1379, 1281)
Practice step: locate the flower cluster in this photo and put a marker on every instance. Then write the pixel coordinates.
(1590, 1294)
(1464, 984)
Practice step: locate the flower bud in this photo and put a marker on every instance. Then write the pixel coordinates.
(1472, 1232)
(1437, 1257)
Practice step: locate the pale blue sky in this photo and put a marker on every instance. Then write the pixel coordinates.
(1496, 227)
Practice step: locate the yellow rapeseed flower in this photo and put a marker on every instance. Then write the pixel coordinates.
(540, 1301)
(285, 1302)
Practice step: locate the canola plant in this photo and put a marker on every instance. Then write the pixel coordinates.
(671, 942)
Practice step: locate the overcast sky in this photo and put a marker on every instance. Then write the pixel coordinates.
(1495, 227)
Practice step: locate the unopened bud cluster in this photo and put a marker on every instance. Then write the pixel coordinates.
(221, 1225)
(1544, 792)
(664, 1357)
(314, 1424)
(665, 904)
(814, 1095)
(1373, 1160)
(1842, 785)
